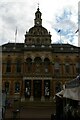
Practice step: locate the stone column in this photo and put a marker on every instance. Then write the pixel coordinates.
(73, 68)
(11, 87)
(51, 68)
(33, 69)
(43, 71)
(22, 87)
(54, 85)
(24, 67)
(22, 90)
(31, 97)
(51, 90)
(42, 97)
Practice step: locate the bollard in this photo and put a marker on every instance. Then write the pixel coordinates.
(15, 112)
(53, 117)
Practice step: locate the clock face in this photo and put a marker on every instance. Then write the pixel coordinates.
(37, 22)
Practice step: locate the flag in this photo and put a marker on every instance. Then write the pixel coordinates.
(73, 83)
(15, 35)
(16, 31)
(72, 93)
(77, 30)
(72, 90)
(59, 31)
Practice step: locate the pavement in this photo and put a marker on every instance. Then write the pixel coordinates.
(30, 111)
(34, 113)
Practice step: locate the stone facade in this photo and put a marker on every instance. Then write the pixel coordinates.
(37, 69)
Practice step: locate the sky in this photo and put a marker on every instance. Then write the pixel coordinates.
(56, 15)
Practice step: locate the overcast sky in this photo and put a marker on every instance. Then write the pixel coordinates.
(56, 14)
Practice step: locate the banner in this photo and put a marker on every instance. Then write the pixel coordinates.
(72, 93)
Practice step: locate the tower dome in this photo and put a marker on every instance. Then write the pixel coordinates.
(37, 34)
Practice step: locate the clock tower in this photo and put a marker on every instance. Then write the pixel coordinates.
(37, 35)
(38, 20)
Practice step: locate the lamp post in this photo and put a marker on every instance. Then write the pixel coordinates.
(3, 103)
(16, 109)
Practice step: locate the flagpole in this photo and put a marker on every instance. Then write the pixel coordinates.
(59, 31)
(77, 30)
(15, 39)
(15, 36)
(60, 37)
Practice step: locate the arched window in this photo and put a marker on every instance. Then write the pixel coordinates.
(38, 15)
(46, 65)
(38, 63)
(38, 41)
(17, 87)
(29, 64)
(18, 66)
(67, 67)
(8, 66)
(56, 68)
(78, 67)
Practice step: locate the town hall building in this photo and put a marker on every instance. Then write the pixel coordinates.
(38, 68)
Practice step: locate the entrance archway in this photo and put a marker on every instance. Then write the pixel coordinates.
(37, 88)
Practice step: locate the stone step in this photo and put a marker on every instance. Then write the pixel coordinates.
(28, 119)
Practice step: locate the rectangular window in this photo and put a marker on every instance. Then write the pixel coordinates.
(27, 88)
(8, 66)
(7, 87)
(67, 68)
(78, 67)
(17, 87)
(57, 69)
(18, 66)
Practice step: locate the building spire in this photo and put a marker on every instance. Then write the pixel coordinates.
(38, 20)
(38, 6)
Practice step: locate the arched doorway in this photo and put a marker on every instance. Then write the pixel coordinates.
(37, 88)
